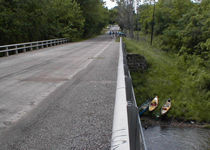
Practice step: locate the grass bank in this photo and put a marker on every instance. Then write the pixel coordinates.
(167, 78)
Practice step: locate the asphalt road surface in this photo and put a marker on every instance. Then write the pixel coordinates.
(59, 98)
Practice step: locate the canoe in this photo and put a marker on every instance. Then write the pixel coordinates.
(144, 107)
(153, 104)
(165, 108)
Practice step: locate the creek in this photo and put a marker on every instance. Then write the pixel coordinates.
(159, 137)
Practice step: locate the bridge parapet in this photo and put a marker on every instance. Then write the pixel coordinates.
(127, 133)
(6, 50)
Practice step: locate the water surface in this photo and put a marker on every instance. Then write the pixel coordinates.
(174, 138)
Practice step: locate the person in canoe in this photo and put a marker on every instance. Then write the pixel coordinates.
(166, 107)
(153, 104)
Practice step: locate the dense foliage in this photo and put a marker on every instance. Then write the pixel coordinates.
(182, 26)
(31, 20)
(190, 99)
(113, 14)
(182, 29)
(96, 16)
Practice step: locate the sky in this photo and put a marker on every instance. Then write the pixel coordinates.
(110, 4)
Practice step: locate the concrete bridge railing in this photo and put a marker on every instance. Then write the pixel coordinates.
(6, 50)
(127, 133)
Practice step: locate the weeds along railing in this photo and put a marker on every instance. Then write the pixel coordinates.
(7, 50)
(127, 133)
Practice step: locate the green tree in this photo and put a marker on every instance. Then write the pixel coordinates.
(31, 20)
(66, 18)
(113, 14)
(95, 14)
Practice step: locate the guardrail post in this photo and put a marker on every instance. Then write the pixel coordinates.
(31, 48)
(37, 45)
(24, 48)
(7, 53)
(16, 51)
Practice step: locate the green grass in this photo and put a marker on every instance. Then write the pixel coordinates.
(167, 79)
(117, 39)
(207, 126)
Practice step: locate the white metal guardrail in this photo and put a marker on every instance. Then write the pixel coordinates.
(6, 50)
(127, 133)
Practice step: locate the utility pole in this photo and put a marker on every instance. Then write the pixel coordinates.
(130, 18)
(153, 23)
(137, 19)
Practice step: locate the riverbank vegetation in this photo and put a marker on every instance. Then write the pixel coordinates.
(32, 20)
(165, 79)
(179, 58)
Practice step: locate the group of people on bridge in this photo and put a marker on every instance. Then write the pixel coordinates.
(115, 34)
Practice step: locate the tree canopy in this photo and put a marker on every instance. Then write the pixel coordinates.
(31, 20)
(183, 26)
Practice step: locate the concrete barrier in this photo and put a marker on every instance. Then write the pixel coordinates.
(127, 133)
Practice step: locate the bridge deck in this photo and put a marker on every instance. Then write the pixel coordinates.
(60, 97)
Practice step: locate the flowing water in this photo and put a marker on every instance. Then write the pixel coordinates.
(174, 138)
